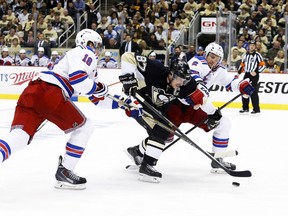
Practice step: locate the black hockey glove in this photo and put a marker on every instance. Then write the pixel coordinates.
(213, 120)
(129, 83)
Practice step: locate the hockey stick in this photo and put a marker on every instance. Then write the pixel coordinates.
(181, 135)
(147, 115)
(201, 122)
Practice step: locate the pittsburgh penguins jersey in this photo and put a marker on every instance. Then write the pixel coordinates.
(202, 73)
(152, 80)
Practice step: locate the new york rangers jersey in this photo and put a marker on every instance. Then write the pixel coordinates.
(22, 62)
(202, 72)
(112, 63)
(75, 72)
(8, 60)
(39, 61)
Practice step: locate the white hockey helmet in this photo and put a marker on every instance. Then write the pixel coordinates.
(86, 35)
(216, 49)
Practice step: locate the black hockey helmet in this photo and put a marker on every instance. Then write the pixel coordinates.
(181, 69)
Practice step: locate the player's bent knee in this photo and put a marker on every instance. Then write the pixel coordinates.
(81, 135)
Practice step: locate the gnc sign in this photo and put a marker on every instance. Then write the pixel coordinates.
(208, 25)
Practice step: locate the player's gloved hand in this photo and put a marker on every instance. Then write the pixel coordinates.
(198, 97)
(101, 91)
(246, 88)
(134, 109)
(129, 83)
(214, 119)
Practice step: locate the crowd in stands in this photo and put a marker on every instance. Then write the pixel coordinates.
(148, 24)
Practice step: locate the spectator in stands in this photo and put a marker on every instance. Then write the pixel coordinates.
(51, 17)
(239, 46)
(57, 25)
(245, 34)
(93, 15)
(190, 6)
(103, 24)
(161, 44)
(58, 9)
(72, 11)
(190, 52)
(113, 18)
(271, 67)
(163, 23)
(53, 60)
(250, 26)
(66, 19)
(51, 4)
(10, 15)
(112, 44)
(108, 61)
(209, 11)
(279, 59)
(235, 59)
(178, 25)
(129, 46)
(178, 54)
(120, 27)
(272, 52)
(42, 42)
(28, 41)
(243, 13)
(15, 44)
(202, 5)
(281, 34)
(160, 34)
(143, 34)
(184, 19)
(44, 10)
(172, 33)
(111, 33)
(40, 60)
(5, 58)
(152, 42)
(261, 48)
(28, 24)
(3, 22)
(23, 16)
(79, 6)
(9, 37)
(163, 7)
(263, 38)
(21, 59)
(51, 35)
(149, 27)
(231, 5)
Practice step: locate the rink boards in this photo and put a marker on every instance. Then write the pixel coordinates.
(273, 88)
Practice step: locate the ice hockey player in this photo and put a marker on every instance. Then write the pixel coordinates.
(159, 86)
(40, 60)
(22, 59)
(48, 97)
(208, 70)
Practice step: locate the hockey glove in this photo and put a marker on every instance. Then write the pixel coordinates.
(245, 87)
(213, 120)
(198, 97)
(129, 83)
(134, 109)
(101, 91)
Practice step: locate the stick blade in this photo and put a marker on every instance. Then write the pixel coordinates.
(244, 173)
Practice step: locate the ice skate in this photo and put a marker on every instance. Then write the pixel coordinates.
(67, 179)
(244, 111)
(149, 174)
(133, 154)
(216, 168)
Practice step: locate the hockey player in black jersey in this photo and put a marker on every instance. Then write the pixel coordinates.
(159, 86)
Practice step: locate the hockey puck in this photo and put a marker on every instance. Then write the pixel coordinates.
(236, 184)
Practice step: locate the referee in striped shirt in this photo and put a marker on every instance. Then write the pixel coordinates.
(252, 64)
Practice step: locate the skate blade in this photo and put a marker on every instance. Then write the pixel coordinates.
(68, 186)
(218, 171)
(146, 178)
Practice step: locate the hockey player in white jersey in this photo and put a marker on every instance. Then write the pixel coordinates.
(208, 70)
(22, 59)
(5, 58)
(40, 60)
(48, 97)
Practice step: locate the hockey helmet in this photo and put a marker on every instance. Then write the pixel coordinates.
(86, 35)
(216, 49)
(181, 69)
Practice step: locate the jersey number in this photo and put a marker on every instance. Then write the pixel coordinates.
(88, 60)
(141, 63)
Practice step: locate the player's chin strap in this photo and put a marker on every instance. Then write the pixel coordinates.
(181, 135)
(201, 122)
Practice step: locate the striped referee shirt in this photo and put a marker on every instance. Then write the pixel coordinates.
(252, 62)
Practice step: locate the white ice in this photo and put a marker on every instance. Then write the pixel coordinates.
(187, 188)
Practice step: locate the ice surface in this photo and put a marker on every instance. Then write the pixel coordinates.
(187, 188)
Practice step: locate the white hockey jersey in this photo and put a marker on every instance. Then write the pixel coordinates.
(39, 61)
(22, 62)
(8, 60)
(201, 72)
(112, 63)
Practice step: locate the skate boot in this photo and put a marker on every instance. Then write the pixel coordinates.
(134, 154)
(216, 168)
(148, 173)
(67, 179)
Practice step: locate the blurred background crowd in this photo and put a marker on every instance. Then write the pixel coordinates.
(137, 25)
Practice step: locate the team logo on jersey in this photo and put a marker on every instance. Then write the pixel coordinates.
(160, 97)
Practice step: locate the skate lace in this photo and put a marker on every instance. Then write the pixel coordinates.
(73, 176)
